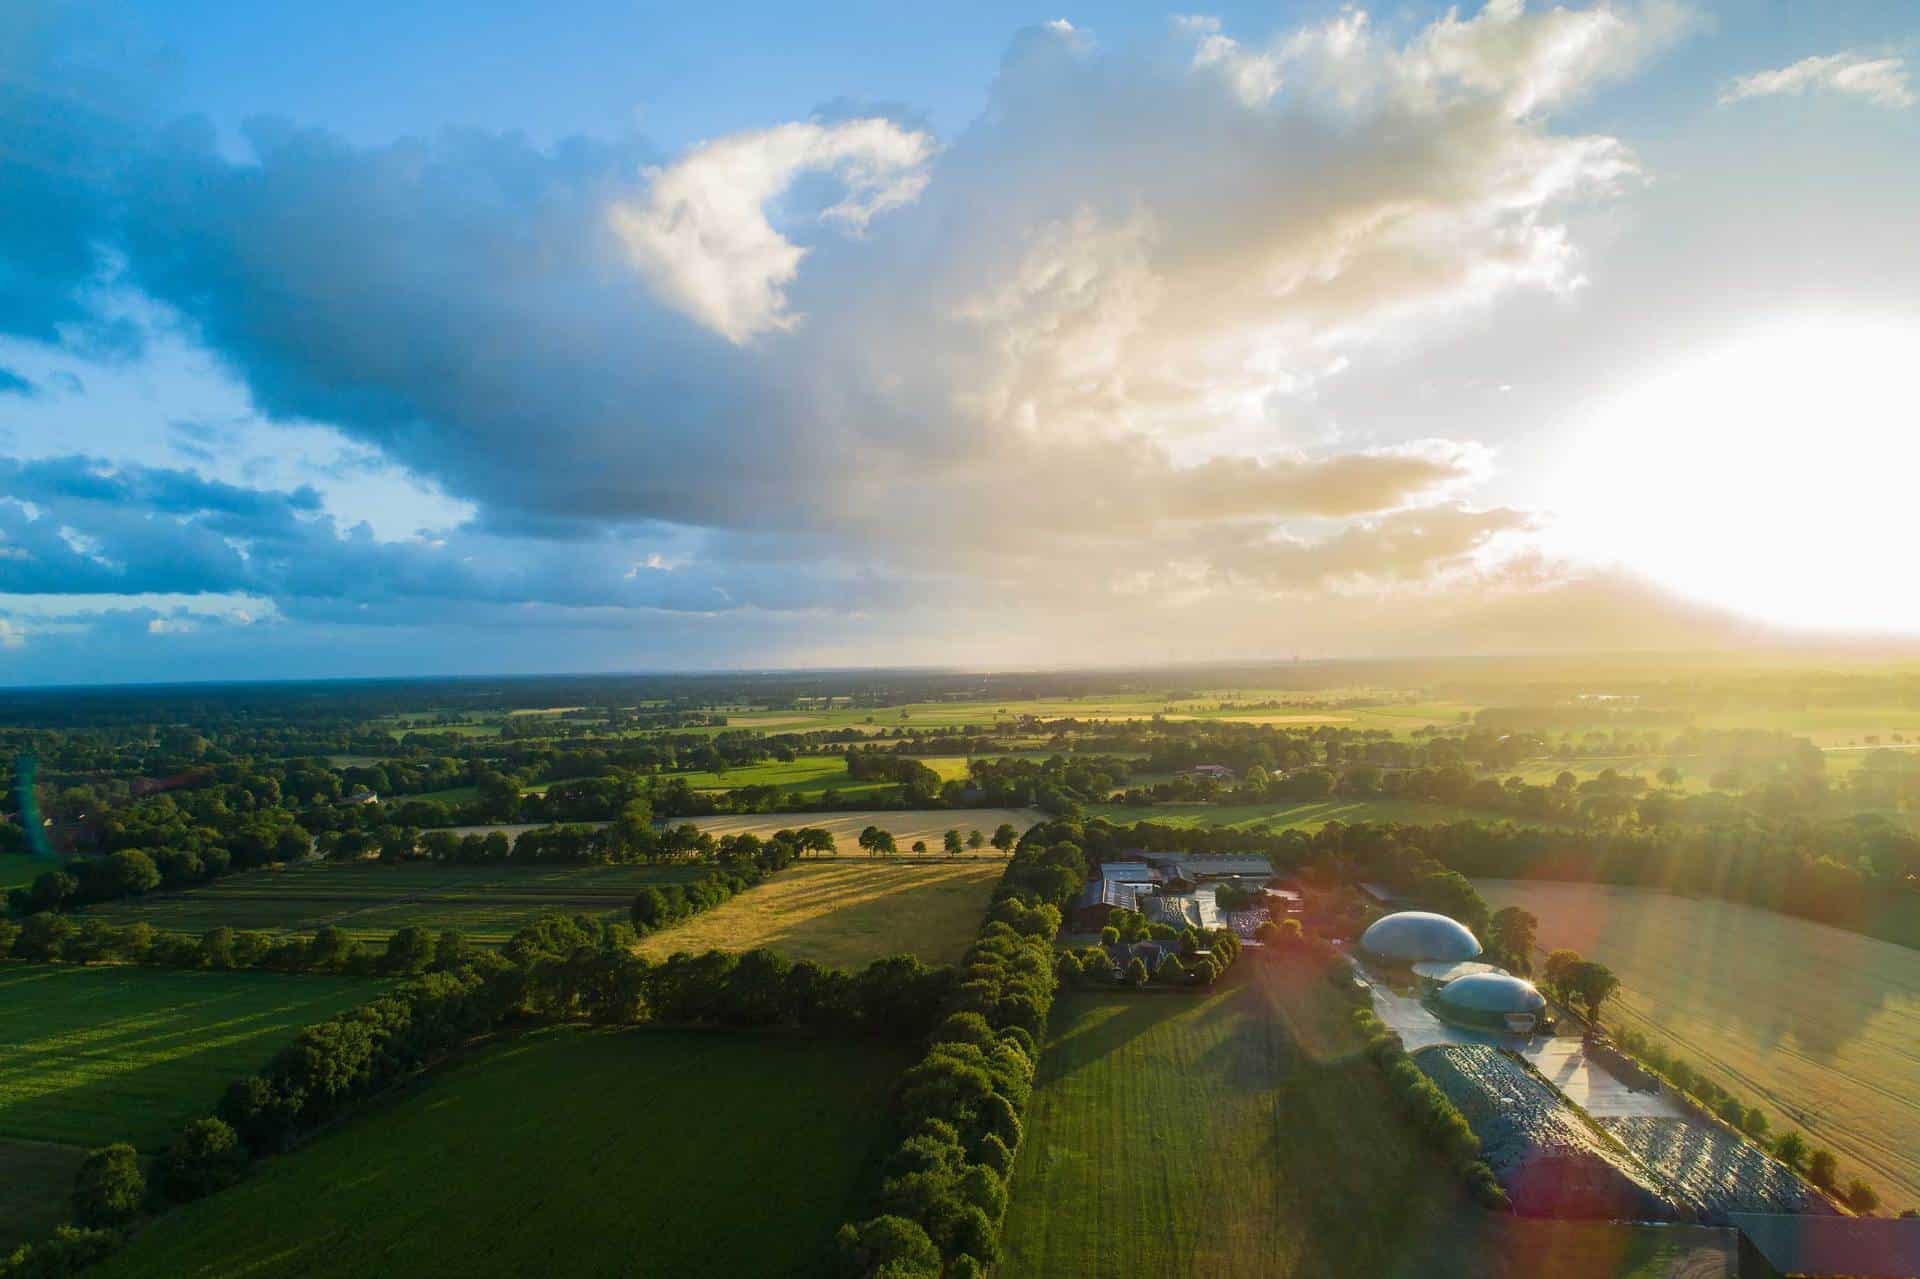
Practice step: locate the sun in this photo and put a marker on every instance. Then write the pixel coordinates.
(1776, 476)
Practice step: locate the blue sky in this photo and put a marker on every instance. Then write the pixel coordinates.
(392, 339)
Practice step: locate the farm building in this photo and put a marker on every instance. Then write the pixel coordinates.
(1413, 936)
(1208, 773)
(1430, 975)
(1101, 898)
(1182, 910)
(1490, 1001)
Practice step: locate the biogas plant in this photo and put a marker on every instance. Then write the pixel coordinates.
(1440, 954)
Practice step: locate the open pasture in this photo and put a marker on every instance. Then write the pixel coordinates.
(1817, 1026)
(621, 1152)
(36, 1178)
(373, 901)
(1240, 1133)
(906, 825)
(809, 775)
(846, 913)
(18, 869)
(1282, 816)
(93, 1055)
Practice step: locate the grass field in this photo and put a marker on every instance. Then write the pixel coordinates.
(1819, 1027)
(1237, 1133)
(907, 825)
(847, 913)
(372, 901)
(18, 869)
(809, 775)
(36, 1178)
(1273, 817)
(93, 1055)
(589, 1153)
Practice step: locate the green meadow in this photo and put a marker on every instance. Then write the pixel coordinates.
(584, 1152)
(93, 1055)
(1282, 816)
(1241, 1132)
(372, 901)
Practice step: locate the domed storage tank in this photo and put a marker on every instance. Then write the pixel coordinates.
(1491, 1001)
(1414, 936)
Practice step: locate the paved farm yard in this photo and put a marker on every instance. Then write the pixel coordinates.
(846, 913)
(1817, 1026)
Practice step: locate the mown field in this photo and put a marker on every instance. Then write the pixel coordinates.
(372, 901)
(809, 775)
(36, 1178)
(589, 1153)
(1282, 816)
(18, 868)
(1239, 1133)
(93, 1055)
(1819, 1027)
(907, 825)
(847, 913)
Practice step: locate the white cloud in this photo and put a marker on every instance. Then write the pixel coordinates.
(701, 233)
(12, 634)
(1254, 76)
(1881, 81)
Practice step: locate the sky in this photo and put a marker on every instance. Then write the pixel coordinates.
(366, 339)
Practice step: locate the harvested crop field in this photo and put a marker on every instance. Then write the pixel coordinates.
(1551, 1160)
(906, 825)
(567, 1151)
(846, 914)
(1817, 1026)
(373, 901)
(93, 1055)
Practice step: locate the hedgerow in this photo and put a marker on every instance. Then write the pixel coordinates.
(959, 1108)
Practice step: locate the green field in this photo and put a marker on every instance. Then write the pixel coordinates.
(1239, 1133)
(809, 775)
(372, 901)
(622, 1152)
(1282, 816)
(18, 869)
(93, 1055)
(36, 1178)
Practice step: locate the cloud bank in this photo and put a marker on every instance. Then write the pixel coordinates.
(1070, 358)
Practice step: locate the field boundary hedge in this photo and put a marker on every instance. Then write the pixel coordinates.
(959, 1110)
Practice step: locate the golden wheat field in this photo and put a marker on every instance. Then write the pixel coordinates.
(1818, 1026)
(849, 912)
